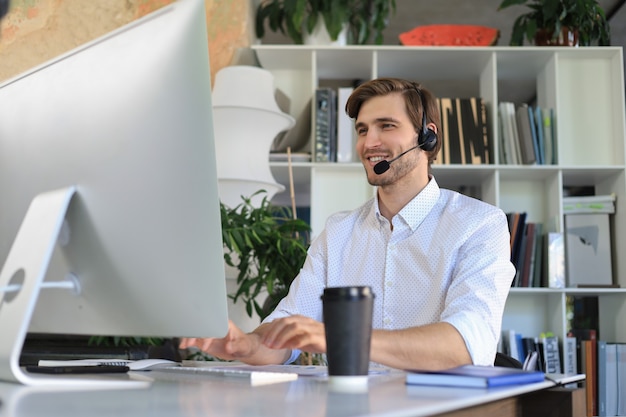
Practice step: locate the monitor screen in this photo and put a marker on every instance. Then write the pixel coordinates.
(127, 121)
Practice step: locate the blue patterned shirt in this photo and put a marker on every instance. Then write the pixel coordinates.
(447, 259)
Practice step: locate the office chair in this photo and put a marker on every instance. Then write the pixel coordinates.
(530, 363)
(506, 361)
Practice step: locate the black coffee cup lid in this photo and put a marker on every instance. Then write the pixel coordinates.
(347, 293)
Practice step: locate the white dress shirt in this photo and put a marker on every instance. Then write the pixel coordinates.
(447, 259)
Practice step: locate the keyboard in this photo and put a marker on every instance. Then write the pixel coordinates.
(133, 365)
(256, 375)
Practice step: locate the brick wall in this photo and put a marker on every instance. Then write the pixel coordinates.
(38, 30)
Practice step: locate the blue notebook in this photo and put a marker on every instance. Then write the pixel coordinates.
(474, 376)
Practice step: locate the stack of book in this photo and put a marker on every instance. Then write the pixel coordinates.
(611, 379)
(589, 204)
(546, 345)
(604, 365)
(334, 130)
(527, 134)
(464, 135)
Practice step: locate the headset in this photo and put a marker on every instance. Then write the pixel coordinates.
(427, 138)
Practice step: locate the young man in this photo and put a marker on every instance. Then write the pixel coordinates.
(438, 262)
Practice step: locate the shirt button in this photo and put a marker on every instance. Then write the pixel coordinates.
(389, 283)
(387, 321)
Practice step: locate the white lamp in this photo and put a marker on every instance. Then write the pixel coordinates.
(246, 119)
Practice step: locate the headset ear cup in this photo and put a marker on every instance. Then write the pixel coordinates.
(428, 140)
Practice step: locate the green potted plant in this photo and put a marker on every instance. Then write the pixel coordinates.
(267, 246)
(547, 20)
(363, 18)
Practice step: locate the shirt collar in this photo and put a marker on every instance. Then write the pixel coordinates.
(418, 208)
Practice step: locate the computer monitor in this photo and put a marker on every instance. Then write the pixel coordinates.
(122, 129)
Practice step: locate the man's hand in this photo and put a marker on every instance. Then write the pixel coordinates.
(236, 345)
(294, 332)
(249, 347)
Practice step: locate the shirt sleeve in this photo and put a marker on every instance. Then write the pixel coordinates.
(477, 295)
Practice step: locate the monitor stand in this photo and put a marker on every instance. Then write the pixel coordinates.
(21, 279)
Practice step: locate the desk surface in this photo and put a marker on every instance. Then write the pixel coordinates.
(191, 395)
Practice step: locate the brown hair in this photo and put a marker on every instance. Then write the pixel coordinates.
(413, 94)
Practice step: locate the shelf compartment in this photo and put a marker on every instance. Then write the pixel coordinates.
(536, 192)
(590, 113)
(548, 309)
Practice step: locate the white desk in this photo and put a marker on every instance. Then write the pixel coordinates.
(176, 395)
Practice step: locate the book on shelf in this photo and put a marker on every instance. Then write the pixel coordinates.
(570, 365)
(509, 141)
(551, 354)
(520, 255)
(474, 376)
(549, 136)
(589, 365)
(554, 260)
(531, 344)
(531, 267)
(525, 135)
(325, 125)
(517, 227)
(507, 150)
(526, 256)
(607, 379)
(513, 344)
(526, 250)
(621, 378)
(533, 134)
(346, 135)
(543, 134)
(537, 269)
(464, 132)
(586, 358)
(450, 136)
(475, 131)
(513, 219)
(514, 132)
(537, 123)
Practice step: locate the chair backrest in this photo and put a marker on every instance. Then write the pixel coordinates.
(507, 361)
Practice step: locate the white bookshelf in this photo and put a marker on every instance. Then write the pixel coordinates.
(585, 86)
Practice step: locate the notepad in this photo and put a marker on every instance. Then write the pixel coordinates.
(474, 376)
